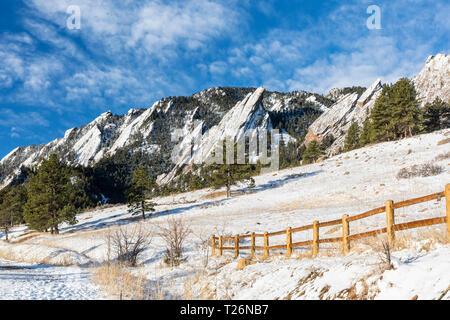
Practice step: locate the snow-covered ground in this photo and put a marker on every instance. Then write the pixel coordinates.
(44, 282)
(349, 183)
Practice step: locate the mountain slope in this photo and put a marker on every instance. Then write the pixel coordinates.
(150, 130)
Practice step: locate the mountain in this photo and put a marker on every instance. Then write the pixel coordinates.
(336, 121)
(215, 112)
(146, 135)
(432, 81)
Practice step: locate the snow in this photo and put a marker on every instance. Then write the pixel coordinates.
(22, 281)
(433, 80)
(349, 183)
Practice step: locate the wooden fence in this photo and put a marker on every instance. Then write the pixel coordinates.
(390, 229)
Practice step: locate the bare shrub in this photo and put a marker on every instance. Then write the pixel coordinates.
(424, 170)
(443, 156)
(385, 256)
(174, 235)
(126, 244)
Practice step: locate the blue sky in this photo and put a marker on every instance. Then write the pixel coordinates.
(132, 53)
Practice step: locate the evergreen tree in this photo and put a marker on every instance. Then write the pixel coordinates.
(366, 133)
(312, 153)
(218, 175)
(352, 139)
(396, 113)
(406, 118)
(381, 116)
(12, 201)
(436, 115)
(142, 187)
(50, 192)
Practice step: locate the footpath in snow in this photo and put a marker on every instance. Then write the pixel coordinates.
(21, 281)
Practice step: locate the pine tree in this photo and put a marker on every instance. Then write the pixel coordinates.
(50, 191)
(219, 175)
(366, 133)
(381, 117)
(142, 187)
(436, 115)
(312, 153)
(406, 117)
(12, 201)
(352, 139)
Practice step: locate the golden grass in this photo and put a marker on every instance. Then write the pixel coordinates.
(118, 282)
(215, 195)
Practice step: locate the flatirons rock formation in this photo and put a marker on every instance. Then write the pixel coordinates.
(434, 79)
(338, 118)
(214, 113)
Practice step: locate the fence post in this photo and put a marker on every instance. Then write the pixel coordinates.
(213, 245)
(315, 238)
(447, 204)
(236, 246)
(288, 242)
(253, 244)
(345, 234)
(266, 245)
(220, 245)
(390, 221)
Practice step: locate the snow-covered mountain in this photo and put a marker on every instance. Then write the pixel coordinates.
(336, 121)
(434, 79)
(431, 82)
(216, 112)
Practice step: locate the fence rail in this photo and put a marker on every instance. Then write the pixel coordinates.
(390, 229)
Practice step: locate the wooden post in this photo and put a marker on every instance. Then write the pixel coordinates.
(345, 234)
(266, 245)
(220, 245)
(315, 238)
(447, 204)
(213, 245)
(253, 244)
(288, 242)
(390, 221)
(236, 246)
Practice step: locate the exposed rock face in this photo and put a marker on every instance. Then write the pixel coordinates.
(247, 116)
(434, 79)
(214, 113)
(338, 118)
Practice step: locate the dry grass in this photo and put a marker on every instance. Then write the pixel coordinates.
(118, 282)
(215, 195)
(447, 140)
(28, 236)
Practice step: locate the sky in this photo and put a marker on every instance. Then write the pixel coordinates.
(64, 62)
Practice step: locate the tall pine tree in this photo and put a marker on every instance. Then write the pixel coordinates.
(228, 174)
(50, 191)
(352, 139)
(406, 117)
(12, 201)
(312, 153)
(381, 117)
(436, 115)
(142, 187)
(366, 133)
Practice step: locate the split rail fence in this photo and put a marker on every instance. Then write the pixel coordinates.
(390, 229)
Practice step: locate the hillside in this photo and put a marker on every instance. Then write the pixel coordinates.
(349, 183)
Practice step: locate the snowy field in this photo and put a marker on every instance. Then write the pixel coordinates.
(23, 281)
(349, 183)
